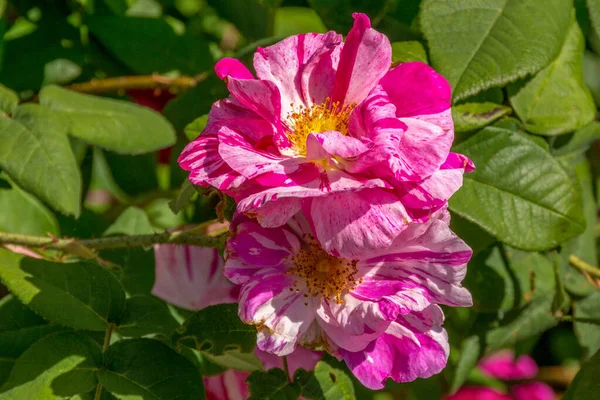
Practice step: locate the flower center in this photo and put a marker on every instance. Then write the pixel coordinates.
(318, 118)
(323, 274)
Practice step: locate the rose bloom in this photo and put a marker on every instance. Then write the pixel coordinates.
(380, 313)
(503, 365)
(328, 128)
(192, 278)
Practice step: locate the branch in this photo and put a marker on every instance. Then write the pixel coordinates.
(154, 81)
(584, 266)
(85, 247)
(557, 375)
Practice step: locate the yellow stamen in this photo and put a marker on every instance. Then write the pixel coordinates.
(318, 118)
(323, 274)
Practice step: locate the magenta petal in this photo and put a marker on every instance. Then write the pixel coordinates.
(302, 67)
(423, 149)
(423, 198)
(478, 393)
(231, 67)
(415, 89)
(207, 168)
(281, 313)
(262, 97)
(231, 113)
(322, 145)
(400, 354)
(229, 385)
(191, 277)
(430, 256)
(533, 391)
(353, 224)
(365, 59)
(504, 365)
(254, 247)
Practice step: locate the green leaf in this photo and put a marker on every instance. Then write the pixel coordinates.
(116, 125)
(133, 221)
(19, 329)
(79, 295)
(151, 45)
(235, 359)
(584, 245)
(337, 14)
(195, 102)
(472, 116)
(477, 46)
(9, 100)
(520, 324)
(519, 193)
(408, 51)
(573, 147)
(473, 235)
(145, 315)
(325, 383)
(296, 20)
(216, 330)
(253, 18)
(60, 71)
(35, 152)
(194, 128)
(185, 197)
(470, 350)
(556, 100)
(57, 366)
(588, 334)
(27, 214)
(138, 268)
(499, 282)
(586, 384)
(135, 175)
(272, 385)
(594, 9)
(148, 369)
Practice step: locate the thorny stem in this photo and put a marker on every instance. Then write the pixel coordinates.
(85, 247)
(584, 266)
(107, 337)
(286, 368)
(154, 81)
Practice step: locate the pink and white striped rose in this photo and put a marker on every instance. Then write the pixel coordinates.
(380, 313)
(328, 128)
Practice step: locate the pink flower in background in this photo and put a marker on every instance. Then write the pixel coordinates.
(379, 313)
(191, 277)
(503, 365)
(231, 385)
(328, 128)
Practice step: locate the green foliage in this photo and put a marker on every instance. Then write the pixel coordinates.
(35, 152)
(216, 330)
(408, 51)
(145, 315)
(114, 125)
(149, 369)
(80, 295)
(586, 385)
(28, 215)
(326, 382)
(133, 221)
(479, 46)
(472, 116)
(524, 186)
(57, 366)
(168, 52)
(556, 100)
(272, 385)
